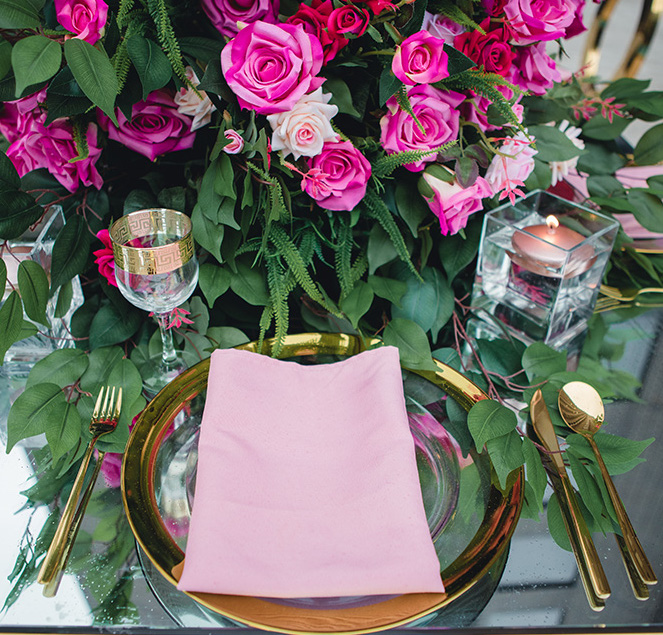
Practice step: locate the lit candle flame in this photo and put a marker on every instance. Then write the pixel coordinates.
(552, 223)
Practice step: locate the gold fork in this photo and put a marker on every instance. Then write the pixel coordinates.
(608, 304)
(627, 295)
(104, 420)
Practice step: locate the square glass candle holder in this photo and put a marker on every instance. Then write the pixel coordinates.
(541, 262)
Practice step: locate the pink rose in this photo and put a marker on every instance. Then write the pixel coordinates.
(104, 258)
(225, 14)
(534, 70)
(539, 20)
(196, 104)
(156, 127)
(236, 144)
(475, 108)
(577, 26)
(348, 19)
(270, 67)
(494, 7)
(53, 148)
(453, 204)
(85, 18)
(436, 110)
(18, 116)
(441, 27)
(509, 169)
(420, 59)
(378, 6)
(338, 176)
(492, 50)
(314, 19)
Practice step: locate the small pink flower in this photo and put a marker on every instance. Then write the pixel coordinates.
(420, 59)
(104, 258)
(236, 144)
(178, 317)
(85, 18)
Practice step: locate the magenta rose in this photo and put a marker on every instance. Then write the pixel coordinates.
(85, 18)
(104, 257)
(338, 176)
(454, 204)
(378, 6)
(53, 148)
(314, 19)
(420, 59)
(534, 70)
(492, 50)
(436, 110)
(269, 67)
(18, 116)
(225, 14)
(156, 126)
(539, 20)
(349, 20)
(577, 26)
(494, 7)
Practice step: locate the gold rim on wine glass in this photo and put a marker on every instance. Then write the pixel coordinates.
(151, 260)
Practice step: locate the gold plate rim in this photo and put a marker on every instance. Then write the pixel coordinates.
(503, 508)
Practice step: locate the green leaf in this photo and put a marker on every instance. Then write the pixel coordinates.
(35, 59)
(457, 252)
(214, 281)
(64, 427)
(412, 209)
(458, 62)
(207, 233)
(536, 474)
(341, 96)
(588, 488)
(65, 296)
(3, 275)
(380, 248)
(101, 363)
(553, 145)
(389, 85)
(94, 73)
(62, 367)
(20, 14)
(604, 185)
(112, 325)
(33, 287)
(502, 357)
(412, 344)
(625, 87)
(201, 48)
(5, 57)
(70, 251)
(11, 323)
(31, 412)
(556, 525)
(649, 149)
(600, 128)
(151, 63)
(541, 361)
(18, 210)
(357, 302)
(506, 454)
(647, 209)
(599, 160)
(9, 178)
(226, 336)
(489, 419)
(390, 289)
(250, 285)
(620, 454)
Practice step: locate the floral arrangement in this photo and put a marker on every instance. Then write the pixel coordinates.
(335, 158)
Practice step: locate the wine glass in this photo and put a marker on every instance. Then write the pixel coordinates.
(156, 270)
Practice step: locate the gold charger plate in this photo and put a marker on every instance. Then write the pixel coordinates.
(468, 545)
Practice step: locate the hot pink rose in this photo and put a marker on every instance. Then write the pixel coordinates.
(104, 258)
(378, 6)
(492, 50)
(269, 67)
(453, 204)
(494, 7)
(314, 20)
(156, 126)
(53, 148)
(539, 20)
(577, 26)
(420, 59)
(441, 27)
(348, 19)
(534, 70)
(338, 176)
(85, 18)
(225, 14)
(436, 110)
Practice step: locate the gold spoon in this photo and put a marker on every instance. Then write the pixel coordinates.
(582, 409)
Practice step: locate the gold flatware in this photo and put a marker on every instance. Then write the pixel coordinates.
(591, 571)
(627, 295)
(582, 409)
(104, 420)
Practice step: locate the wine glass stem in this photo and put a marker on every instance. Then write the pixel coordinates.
(168, 356)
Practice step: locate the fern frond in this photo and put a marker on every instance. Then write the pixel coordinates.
(167, 39)
(277, 208)
(388, 163)
(123, 12)
(248, 247)
(376, 209)
(279, 290)
(121, 63)
(359, 267)
(79, 133)
(343, 256)
(404, 102)
(265, 324)
(459, 16)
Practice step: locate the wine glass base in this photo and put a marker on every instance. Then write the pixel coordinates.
(157, 375)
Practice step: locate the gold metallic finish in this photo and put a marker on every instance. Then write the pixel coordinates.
(581, 408)
(104, 420)
(151, 260)
(591, 571)
(490, 541)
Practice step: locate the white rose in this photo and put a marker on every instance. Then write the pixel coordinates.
(303, 130)
(560, 169)
(506, 172)
(200, 107)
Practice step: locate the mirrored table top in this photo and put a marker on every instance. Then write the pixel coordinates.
(539, 587)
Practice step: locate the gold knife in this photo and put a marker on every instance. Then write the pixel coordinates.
(591, 571)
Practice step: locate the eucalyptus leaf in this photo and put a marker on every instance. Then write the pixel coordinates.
(590, 491)
(556, 524)
(489, 419)
(540, 361)
(598, 127)
(9, 178)
(506, 454)
(390, 289)
(62, 367)
(150, 62)
(65, 296)
(535, 472)
(70, 251)
(3, 274)
(11, 323)
(250, 285)
(35, 59)
(412, 343)
(64, 426)
(112, 325)
(18, 210)
(101, 363)
(553, 145)
(214, 281)
(33, 287)
(619, 454)
(31, 413)
(20, 14)
(357, 302)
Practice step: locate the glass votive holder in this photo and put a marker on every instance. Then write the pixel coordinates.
(540, 266)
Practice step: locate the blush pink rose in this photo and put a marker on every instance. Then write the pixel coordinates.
(441, 27)
(225, 14)
(509, 169)
(338, 176)
(420, 59)
(436, 110)
(270, 67)
(104, 257)
(85, 18)
(156, 126)
(314, 19)
(453, 204)
(534, 70)
(53, 148)
(539, 20)
(348, 19)
(236, 143)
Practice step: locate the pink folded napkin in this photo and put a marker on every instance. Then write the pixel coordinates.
(307, 483)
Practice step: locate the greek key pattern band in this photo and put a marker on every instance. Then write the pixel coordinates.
(151, 260)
